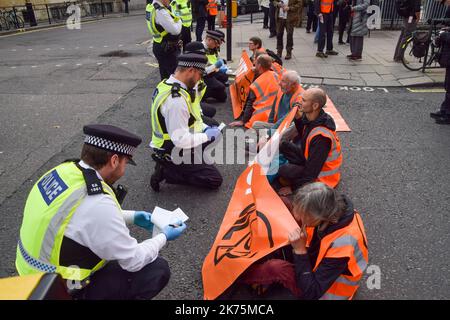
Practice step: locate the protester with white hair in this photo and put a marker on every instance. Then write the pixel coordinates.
(289, 94)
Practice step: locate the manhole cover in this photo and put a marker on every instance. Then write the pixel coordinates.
(117, 53)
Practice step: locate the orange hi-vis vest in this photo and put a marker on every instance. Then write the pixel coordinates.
(211, 7)
(326, 6)
(278, 69)
(295, 99)
(265, 88)
(348, 242)
(331, 170)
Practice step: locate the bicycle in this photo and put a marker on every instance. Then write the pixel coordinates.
(13, 19)
(4, 23)
(430, 59)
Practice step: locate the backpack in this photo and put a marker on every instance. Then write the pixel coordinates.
(274, 56)
(420, 44)
(403, 8)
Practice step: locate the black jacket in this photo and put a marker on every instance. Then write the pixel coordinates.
(313, 285)
(318, 150)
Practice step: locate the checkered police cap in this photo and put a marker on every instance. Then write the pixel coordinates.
(111, 138)
(192, 60)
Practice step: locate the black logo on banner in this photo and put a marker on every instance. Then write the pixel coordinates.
(242, 240)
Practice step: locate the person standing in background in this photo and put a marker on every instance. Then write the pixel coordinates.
(211, 7)
(358, 28)
(201, 14)
(272, 22)
(300, 14)
(265, 4)
(312, 18)
(344, 18)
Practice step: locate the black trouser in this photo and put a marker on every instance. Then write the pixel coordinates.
(215, 88)
(272, 24)
(113, 283)
(199, 27)
(167, 60)
(445, 106)
(198, 174)
(186, 35)
(266, 17)
(343, 20)
(211, 22)
(281, 25)
(326, 30)
(312, 18)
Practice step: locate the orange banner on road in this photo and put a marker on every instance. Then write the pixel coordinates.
(331, 109)
(240, 88)
(255, 224)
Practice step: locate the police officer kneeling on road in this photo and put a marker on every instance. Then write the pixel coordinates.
(165, 28)
(178, 129)
(74, 225)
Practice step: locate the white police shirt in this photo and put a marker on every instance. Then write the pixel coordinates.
(165, 20)
(176, 115)
(100, 225)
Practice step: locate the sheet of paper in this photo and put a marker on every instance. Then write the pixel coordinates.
(162, 217)
(222, 126)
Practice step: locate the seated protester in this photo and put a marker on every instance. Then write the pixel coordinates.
(216, 79)
(289, 94)
(255, 45)
(261, 96)
(206, 110)
(277, 63)
(323, 264)
(314, 151)
(176, 124)
(327, 265)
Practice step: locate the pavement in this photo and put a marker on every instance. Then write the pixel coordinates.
(376, 69)
(395, 166)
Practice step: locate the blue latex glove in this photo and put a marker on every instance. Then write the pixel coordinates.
(223, 69)
(212, 133)
(173, 233)
(219, 63)
(143, 219)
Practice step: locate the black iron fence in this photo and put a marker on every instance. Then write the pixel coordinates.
(18, 17)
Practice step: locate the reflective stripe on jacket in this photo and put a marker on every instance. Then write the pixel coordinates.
(326, 6)
(211, 7)
(331, 170)
(265, 88)
(48, 210)
(160, 136)
(348, 242)
(153, 28)
(182, 9)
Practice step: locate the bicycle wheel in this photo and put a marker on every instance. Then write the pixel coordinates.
(409, 60)
(20, 23)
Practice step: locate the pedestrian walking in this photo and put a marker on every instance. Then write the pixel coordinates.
(358, 28)
(199, 7)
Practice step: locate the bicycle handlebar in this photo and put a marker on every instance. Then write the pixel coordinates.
(438, 21)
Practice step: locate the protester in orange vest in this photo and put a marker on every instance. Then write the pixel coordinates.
(289, 95)
(325, 260)
(330, 252)
(212, 10)
(312, 151)
(255, 47)
(262, 94)
(324, 11)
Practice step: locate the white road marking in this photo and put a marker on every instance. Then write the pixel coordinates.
(120, 45)
(91, 47)
(99, 63)
(105, 46)
(34, 66)
(124, 63)
(13, 67)
(58, 65)
(30, 49)
(79, 64)
(62, 49)
(14, 50)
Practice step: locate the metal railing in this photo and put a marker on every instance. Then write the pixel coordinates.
(18, 17)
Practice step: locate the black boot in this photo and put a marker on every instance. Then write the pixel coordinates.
(158, 175)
